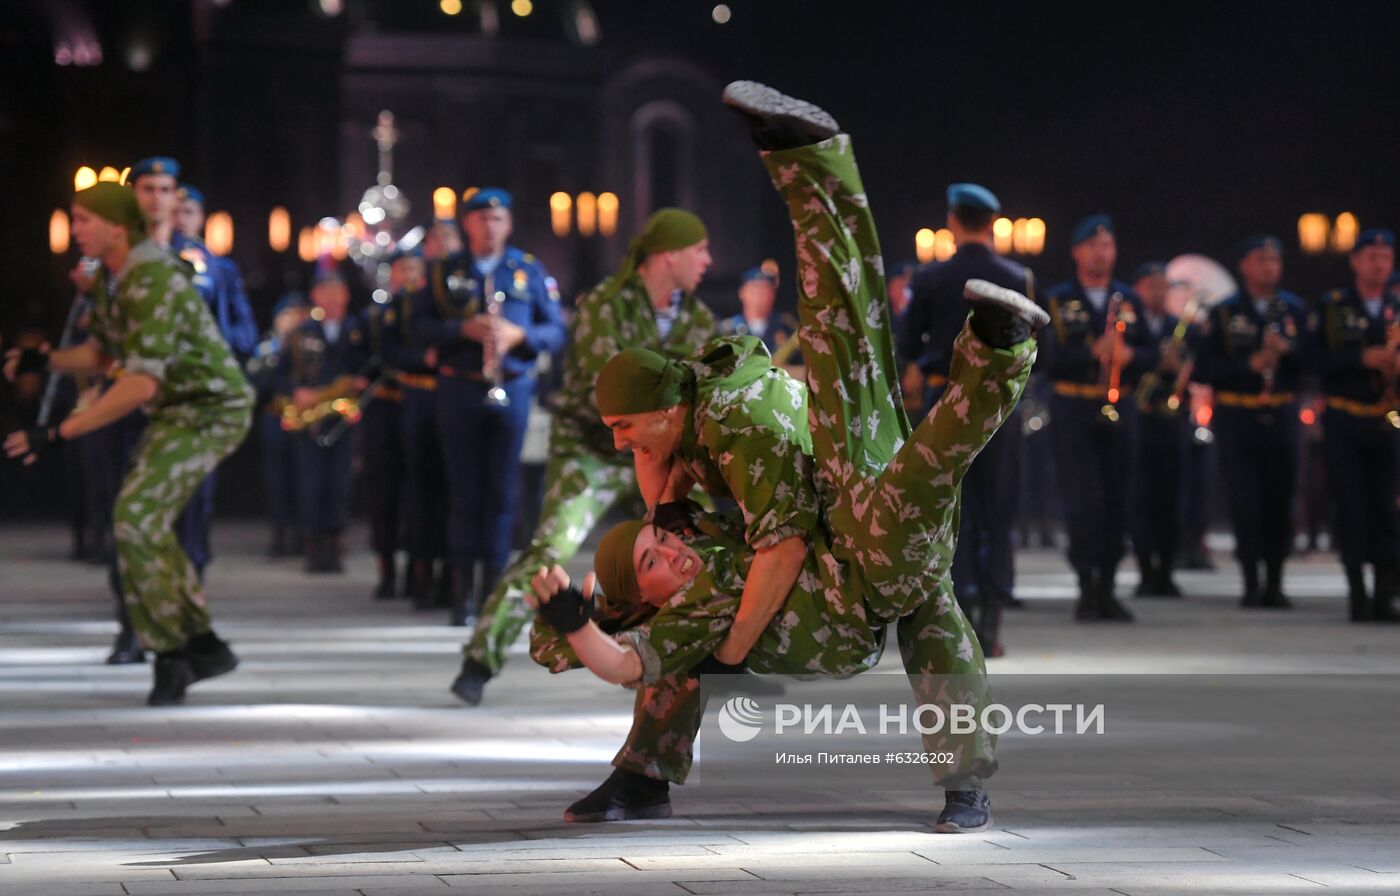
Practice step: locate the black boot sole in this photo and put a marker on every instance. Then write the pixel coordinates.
(982, 292)
(763, 102)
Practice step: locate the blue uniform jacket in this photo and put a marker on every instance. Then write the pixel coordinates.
(220, 283)
(1338, 330)
(456, 291)
(1235, 330)
(1066, 353)
(937, 308)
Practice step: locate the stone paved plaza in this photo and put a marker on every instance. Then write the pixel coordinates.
(334, 761)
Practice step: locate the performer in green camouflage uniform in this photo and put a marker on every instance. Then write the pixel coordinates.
(149, 320)
(880, 548)
(585, 475)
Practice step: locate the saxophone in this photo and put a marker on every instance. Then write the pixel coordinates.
(336, 400)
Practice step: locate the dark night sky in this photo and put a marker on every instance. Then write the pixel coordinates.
(1195, 124)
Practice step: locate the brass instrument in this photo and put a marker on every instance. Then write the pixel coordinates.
(338, 399)
(1152, 380)
(491, 366)
(1110, 370)
(349, 411)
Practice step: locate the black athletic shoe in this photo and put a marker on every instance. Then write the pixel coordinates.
(623, 796)
(779, 121)
(1002, 317)
(471, 681)
(209, 655)
(173, 676)
(965, 812)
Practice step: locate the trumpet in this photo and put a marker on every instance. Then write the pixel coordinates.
(1110, 370)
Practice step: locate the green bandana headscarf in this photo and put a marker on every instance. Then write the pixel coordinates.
(612, 564)
(638, 380)
(667, 230)
(116, 203)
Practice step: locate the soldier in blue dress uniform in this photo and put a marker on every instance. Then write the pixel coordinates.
(486, 365)
(1353, 337)
(1164, 421)
(1096, 343)
(1249, 354)
(323, 360)
(984, 563)
(758, 293)
(220, 283)
(385, 467)
(277, 445)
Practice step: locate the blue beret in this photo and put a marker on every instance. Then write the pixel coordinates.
(330, 275)
(154, 165)
(1258, 241)
(1090, 227)
(1374, 236)
(900, 268)
(401, 254)
(289, 301)
(972, 197)
(192, 193)
(753, 274)
(1148, 268)
(490, 197)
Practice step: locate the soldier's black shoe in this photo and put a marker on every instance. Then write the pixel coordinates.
(776, 120)
(464, 597)
(1381, 609)
(209, 655)
(1166, 587)
(172, 677)
(738, 680)
(471, 681)
(1002, 317)
(1109, 608)
(622, 797)
(965, 812)
(126, 650)
(332, 554)
(1086, 608)
(283, 544)
(388, 578)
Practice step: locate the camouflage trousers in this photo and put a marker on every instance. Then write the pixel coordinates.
(580, 487)
(890, 496)
(162, 590)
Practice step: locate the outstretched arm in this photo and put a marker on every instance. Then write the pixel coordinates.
(604, 657)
